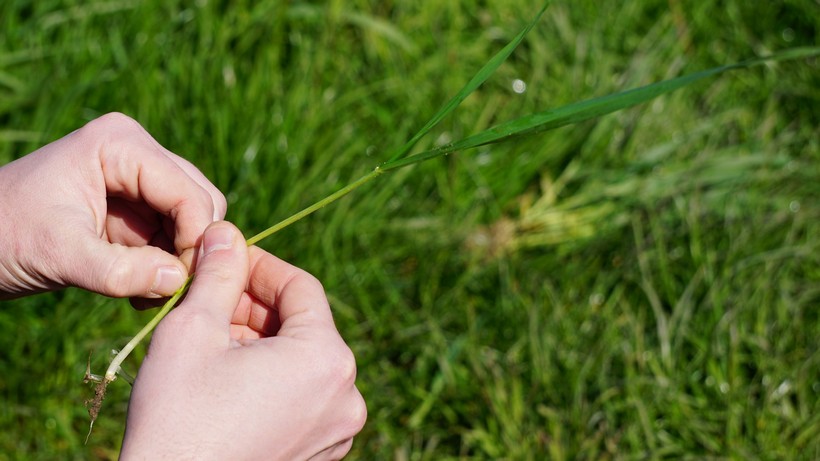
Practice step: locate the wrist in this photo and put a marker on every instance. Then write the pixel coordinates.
(8, 252)
(25, 245)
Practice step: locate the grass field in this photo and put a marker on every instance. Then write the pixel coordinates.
(642, 286)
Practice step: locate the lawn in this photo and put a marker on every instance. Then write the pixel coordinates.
(645, 285)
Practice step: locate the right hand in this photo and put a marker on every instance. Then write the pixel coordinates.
(249, 366)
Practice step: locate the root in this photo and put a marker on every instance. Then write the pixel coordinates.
(94, 404)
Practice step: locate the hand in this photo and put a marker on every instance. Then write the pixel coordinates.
(105, 208)
(249, 366)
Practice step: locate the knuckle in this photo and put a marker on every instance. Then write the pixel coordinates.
(186, 319)
(341, 376)
(352, 419)
(116, 117)
(308, 280)
(341, 368)
(342, 449)
(117, 279)
(109, 132)
(216, 275)
(357, 415)
(220, 204)
(110, 122)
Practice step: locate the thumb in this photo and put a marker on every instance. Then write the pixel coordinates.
(221, 272)
(121, 271)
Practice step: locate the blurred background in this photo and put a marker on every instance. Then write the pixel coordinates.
(642, 286)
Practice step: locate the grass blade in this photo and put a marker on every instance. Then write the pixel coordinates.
(585, 110)
(480, 77)
(471, 86)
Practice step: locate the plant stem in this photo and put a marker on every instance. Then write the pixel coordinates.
(533, 123)
(114, 367)
(526, 125)
(316, 206)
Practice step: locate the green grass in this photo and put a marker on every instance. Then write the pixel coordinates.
(642, 286)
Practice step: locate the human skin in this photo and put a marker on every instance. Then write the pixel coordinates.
(249, 366)
(105, 208)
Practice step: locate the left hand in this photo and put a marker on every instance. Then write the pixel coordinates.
(105, 208)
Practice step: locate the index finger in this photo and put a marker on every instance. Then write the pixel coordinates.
(297, 295)
(218, 199)
(135, 167)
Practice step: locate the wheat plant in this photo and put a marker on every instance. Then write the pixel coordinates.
(640, 285)
(537, 225)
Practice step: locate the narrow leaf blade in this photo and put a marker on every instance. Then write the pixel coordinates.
(479, 78)
(591, 108)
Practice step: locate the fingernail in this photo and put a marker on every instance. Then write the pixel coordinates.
(217, 238)
(167, 281)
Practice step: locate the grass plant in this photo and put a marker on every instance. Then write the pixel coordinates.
(642, 284)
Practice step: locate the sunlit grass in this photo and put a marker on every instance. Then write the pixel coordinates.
(681, 322)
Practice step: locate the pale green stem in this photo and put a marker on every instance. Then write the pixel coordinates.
(111, 373)
(316, 206)
(114, 367)
(526, 125)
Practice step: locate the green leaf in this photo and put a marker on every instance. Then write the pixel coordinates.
(585, 110)
(471, 86)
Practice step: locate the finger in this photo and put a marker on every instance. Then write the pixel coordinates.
(137, 168)
(254, 319)
(131, 223)
(297, 295)
(120, 271)
(221, 274)
(135, 224)
(334, 452)
(220, 204)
